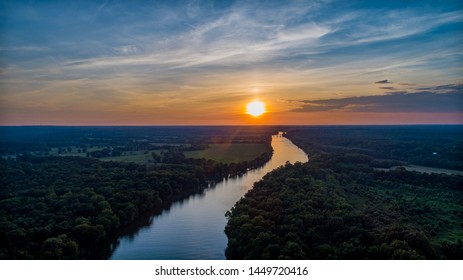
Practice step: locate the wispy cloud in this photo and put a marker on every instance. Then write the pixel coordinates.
(383, 82)
(378, 26)
(418, 102)
(24, 49)
(444, 88)
(164, 54)
(233, 38)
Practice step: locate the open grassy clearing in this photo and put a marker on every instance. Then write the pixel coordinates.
(141, 157)
(229, 152)
(136, 156)
(74, 151)
(425, 169)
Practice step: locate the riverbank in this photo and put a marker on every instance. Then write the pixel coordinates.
(194, 228)
(76, 205)
(340, 207)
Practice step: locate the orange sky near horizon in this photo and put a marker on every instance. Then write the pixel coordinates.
(156, 63)
(233, 118)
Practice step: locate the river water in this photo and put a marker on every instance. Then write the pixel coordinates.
(194, 228)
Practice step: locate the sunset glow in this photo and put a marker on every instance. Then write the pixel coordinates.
(168, 63)
(255, 108)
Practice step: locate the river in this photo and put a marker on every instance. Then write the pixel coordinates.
(194, 228)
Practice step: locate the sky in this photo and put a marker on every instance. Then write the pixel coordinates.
(200, 62)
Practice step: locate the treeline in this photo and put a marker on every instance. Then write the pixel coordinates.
(337, 207)
(69, 207)
(434, 146)
(20, 140)
(213, 169)
(64, 207)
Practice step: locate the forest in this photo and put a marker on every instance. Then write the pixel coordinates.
(73, 207)
(428, 145)
(339, 206)
(41, 140)
(69, 192)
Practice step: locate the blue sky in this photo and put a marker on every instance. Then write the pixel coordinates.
(190, 62)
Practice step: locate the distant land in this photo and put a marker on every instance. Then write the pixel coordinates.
(367, 192)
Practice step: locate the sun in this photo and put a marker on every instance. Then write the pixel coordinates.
(255, 108)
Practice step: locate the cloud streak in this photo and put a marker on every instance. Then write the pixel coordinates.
(419, 102)
(383, 82)
(164, 54)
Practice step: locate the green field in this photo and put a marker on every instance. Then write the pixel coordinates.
(136, 156)
(74, 152)
(229, 152)
(141, 157)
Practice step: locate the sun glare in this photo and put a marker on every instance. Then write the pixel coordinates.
(255, 108)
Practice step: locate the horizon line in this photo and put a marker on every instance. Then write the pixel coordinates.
(222, 125)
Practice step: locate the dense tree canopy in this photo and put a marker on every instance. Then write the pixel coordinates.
(337, 206)
(66, 207)
(62, 207)
(435, 146)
